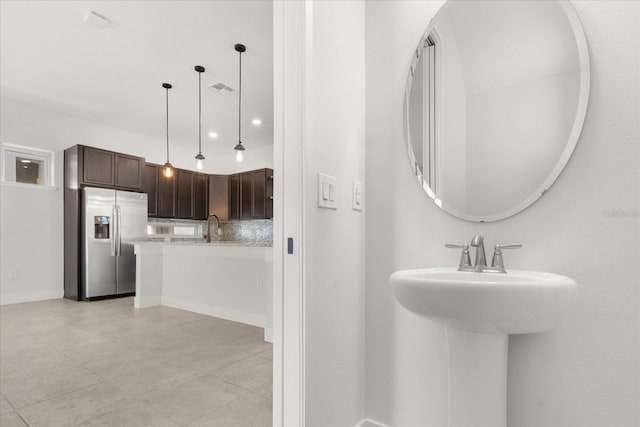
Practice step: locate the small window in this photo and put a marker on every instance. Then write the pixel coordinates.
(26, 165)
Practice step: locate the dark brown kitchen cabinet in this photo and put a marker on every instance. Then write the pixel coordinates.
(128, 171)
(219, 196)
(104, 168)
(251, 195)
(234, 196)
(200, 196)
(166, 195)
(184, 180)
(97, 167)
(150, 186)
(246, 195)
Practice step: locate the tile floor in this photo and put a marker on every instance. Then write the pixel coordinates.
(104, 363)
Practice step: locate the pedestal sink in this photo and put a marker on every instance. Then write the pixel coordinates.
(479, 311)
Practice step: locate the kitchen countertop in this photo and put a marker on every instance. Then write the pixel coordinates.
(201, 242)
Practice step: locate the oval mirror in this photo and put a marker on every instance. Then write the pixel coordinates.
(494, 103)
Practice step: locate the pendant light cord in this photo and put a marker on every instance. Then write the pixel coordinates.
(240, 102)
(199, 112)
(167, 99)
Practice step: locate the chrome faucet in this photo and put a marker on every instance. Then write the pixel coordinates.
(481, 259)
(497, 263)
(209, 226)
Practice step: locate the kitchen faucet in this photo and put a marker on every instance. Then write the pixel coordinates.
(497, 263)
(209, 226)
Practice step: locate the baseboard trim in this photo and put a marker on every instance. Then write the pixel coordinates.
(215, 311)
(21, 297)
(368, 422)
(268, 335)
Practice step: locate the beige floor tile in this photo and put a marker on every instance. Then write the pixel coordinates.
(267, 354)
(5, 406)
(249, 373)
(11, 419)
(252, 344)
(246, 411)
(114, 367)
(65, 363)
(40, 386)
(133, 414)
(69, 337)
(95, 352)
(211, 359)
(189, 401)
(265, 390)
(74, 408)
(147, 377)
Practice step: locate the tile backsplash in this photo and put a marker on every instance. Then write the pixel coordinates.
(258, 230)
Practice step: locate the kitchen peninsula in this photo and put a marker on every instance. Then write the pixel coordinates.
(227, 279)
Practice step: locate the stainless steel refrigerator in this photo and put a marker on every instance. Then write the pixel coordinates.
(111, 222)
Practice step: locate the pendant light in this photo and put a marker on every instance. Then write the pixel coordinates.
(239, 147)
(167, 168)
(199, 156)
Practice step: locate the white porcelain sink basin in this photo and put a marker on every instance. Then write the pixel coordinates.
(518, 302)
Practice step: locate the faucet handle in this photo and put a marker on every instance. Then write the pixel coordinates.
(465, 258)
(509, 246)
(497, 261)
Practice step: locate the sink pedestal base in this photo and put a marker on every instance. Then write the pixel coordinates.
(477, 378)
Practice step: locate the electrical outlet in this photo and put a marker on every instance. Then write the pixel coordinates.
(12, 274)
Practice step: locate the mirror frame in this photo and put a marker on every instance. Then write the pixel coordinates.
(574, 135)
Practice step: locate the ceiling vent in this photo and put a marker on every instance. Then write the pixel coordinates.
(95, 20)
(221, 89)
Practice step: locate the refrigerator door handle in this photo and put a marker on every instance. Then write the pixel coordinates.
(119, 242)
(113, 231)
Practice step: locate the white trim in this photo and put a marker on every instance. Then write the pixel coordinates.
(49, 156)
(29, 186)
(366, 422)
(17, 298)
(268, 335)
(290, 28)
(215, 311)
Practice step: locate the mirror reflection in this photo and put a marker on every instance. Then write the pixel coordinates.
(495, 101)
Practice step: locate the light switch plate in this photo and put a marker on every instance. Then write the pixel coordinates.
(327, 191)
(357, 199)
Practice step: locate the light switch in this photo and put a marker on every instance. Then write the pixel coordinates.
(327, 191)
(357, 196)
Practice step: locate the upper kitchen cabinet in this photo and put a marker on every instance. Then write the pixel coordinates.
(251, 195)
(150, 186)
(166, 195)
(219, 196)
(200, 196)
(102, 168)
(128, 171)
(97, 166)
(184, 181)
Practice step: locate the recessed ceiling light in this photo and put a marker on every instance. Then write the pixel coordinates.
(25, 161)
(213, 135)
(256, 122)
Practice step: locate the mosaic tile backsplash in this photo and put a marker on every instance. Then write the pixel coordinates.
(258, 230)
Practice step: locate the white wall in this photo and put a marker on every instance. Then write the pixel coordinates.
(585, 373)
(333, 143)
(31, 227)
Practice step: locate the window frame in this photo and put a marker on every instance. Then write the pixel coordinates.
(10, 151)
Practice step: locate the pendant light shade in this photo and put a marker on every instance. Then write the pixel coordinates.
(239, 147)
(167, 168)
(199, 156)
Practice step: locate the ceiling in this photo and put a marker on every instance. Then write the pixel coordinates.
(51, 58)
